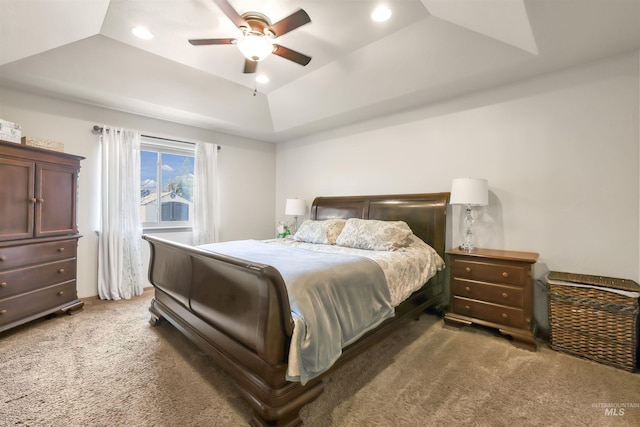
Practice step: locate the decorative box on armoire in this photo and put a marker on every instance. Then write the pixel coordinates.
(38, 233)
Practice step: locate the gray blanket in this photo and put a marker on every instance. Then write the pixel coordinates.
(338, 297)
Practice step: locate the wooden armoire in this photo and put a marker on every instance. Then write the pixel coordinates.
(38, 233)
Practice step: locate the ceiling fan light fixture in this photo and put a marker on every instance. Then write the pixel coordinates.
(255, 46)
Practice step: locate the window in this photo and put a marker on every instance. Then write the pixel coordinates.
(166, 184)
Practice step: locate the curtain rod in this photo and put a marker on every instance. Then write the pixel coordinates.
(97, 128)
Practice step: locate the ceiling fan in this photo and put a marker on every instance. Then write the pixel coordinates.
(258, 36)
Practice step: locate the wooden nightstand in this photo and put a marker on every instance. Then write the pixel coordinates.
(493, 288)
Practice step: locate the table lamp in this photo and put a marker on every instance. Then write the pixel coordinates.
(295, 208)
(469, 192)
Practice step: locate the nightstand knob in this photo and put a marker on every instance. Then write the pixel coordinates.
(467, 289)
(60, 249)
(468, 269)
(504, 295)
(3, 258)
(3, 285)
(3, 311)
(505, 274)
(466, 307)
(504, 315)
(61, 270)
(61, 293)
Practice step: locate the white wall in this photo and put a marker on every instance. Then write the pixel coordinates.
(561, 154)
(247, 169)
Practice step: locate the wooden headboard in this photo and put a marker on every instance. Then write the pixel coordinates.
(424, 213)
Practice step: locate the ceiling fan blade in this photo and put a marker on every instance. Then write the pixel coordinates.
(231, 13)
(200, 42)
(291, 55)
(290, 23)
(250, 66)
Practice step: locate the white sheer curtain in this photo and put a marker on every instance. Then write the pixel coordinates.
(205, 199)
(119, 252)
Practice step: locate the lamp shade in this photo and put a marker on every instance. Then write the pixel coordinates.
(470, 191)
(295, 207)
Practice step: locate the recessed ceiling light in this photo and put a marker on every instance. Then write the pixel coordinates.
(142, 33)
(261, 78)
(381, 13)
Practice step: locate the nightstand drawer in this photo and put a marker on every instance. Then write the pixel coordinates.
(499, 294)
(488, 272)
(495, 313)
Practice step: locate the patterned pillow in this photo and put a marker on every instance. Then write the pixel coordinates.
(322, 232)
(374, 234)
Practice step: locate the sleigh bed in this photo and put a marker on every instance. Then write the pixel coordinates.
(239, 310)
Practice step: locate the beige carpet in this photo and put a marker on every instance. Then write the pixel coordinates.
(106, 366)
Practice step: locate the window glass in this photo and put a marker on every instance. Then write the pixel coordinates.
(166, 185)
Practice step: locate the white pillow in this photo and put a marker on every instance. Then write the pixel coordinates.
(374, 234)
(321, 232)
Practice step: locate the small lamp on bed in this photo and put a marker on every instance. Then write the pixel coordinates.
(469, 192)
(295, 208)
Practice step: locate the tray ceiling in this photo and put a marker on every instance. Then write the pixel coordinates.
(430, 50)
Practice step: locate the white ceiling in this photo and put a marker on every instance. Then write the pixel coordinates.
(428, 51)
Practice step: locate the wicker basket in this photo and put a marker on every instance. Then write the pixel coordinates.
(593, 322)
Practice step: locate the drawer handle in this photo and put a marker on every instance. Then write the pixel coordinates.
(468, 269)
(3, 258)
(33, 200)
(505, 274)
(61, 271)
(466, 307)
(3, 312)
(41, 200)
(505, 315)
(467, 289)
(3, 285)
(60, 249)
(61, 293)
(504, 295)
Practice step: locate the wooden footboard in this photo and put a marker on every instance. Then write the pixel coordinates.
(244, 300)
(238, 311)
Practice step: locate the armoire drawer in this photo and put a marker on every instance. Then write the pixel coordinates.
(21, 255)
(499, 294)
(495, 313)
(38, 303)
(21, 280)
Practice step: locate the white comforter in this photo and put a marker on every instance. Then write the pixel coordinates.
(406, 269)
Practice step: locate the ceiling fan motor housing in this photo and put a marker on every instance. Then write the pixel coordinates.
(258, 23)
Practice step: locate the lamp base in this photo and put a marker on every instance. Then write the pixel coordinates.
(467, 246)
